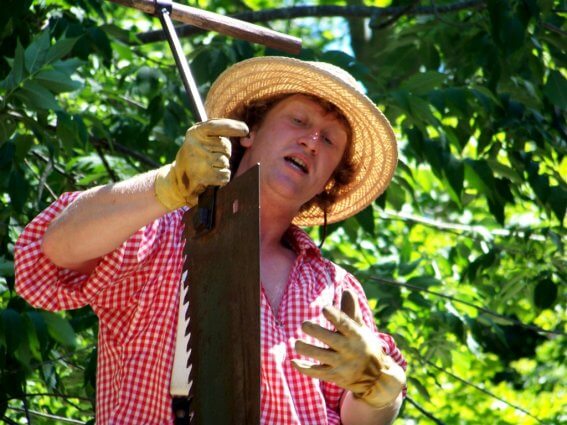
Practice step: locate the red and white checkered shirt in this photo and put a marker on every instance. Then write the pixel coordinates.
(134, 292)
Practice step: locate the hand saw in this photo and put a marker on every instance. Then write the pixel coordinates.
(219, 311)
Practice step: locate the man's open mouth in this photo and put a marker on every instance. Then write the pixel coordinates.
(298, 163)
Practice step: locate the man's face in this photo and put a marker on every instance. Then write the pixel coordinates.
(299, 144)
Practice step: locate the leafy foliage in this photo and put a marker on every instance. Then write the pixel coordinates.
(463, 258)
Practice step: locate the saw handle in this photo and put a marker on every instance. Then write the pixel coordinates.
(222, 24)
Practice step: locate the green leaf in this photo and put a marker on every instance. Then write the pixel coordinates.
(71, 130)
(18, 189)
(485, 96)
(415, 383)
(36, 53)
(419, 300)
(421, 110)
(41, 332)
(148, 81)
(67, 66)
(503, 170)
(456, 99)
(407, 268)
(23, 144)
(366, 219)
(395, 195)
(512, 33)
(60, 49)
(7, 152)
(56, 81)
(37, 96)
(545, 294)
(558, 201)
(12, 328)
(59, 329)
(6, 267)
(482, 262)
(7, 127)
(424, 281)
(555, 89)
(455, 173)
(100, 42)
(18, 68)
(17, 73)
(424, 82)
(481, 177)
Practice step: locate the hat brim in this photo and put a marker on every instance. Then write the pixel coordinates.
(374, 142)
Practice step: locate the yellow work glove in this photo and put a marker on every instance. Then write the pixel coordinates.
(355, 359)
(202, 160)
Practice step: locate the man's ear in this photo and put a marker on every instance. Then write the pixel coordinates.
(247, 140)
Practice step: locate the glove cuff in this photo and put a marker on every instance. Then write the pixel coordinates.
(386, 389)
(165, 188)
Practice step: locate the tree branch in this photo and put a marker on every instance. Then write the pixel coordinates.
(9, 421)
(57, 395)
(482, 390)
(486, 234)
(423, 411)
(124, 150)
(58, 419)
(457, 300)
(42, 180)
(109, 170)
(287, 13)
(58, 169)
(405, 10)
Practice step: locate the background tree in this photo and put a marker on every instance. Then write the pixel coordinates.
(463, 258)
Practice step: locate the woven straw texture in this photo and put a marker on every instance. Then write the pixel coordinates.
(374, 143)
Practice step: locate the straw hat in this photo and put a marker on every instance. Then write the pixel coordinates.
(374, 143)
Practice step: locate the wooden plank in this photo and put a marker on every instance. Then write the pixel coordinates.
(223, 278)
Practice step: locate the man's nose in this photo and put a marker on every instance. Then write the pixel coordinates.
(311, 140)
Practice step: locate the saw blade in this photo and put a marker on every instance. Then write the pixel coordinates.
(223, 296)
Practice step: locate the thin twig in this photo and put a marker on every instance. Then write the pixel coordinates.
(56, 167)
(482, 390)
(423, 411)
(106, 165)
(457, 227)
(57, 395)
(42, 180)
(26, 409)
(554, 29)
(49, 416)
(125, 150)
(50, 362)
(9, 421)
(457, 300)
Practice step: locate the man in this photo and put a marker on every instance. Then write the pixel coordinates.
(326, 152)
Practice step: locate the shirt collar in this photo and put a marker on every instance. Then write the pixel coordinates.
(300, 242)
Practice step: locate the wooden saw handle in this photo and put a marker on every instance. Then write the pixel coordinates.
(222, 24)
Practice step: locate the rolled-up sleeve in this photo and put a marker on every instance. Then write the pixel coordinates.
(47, 286)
